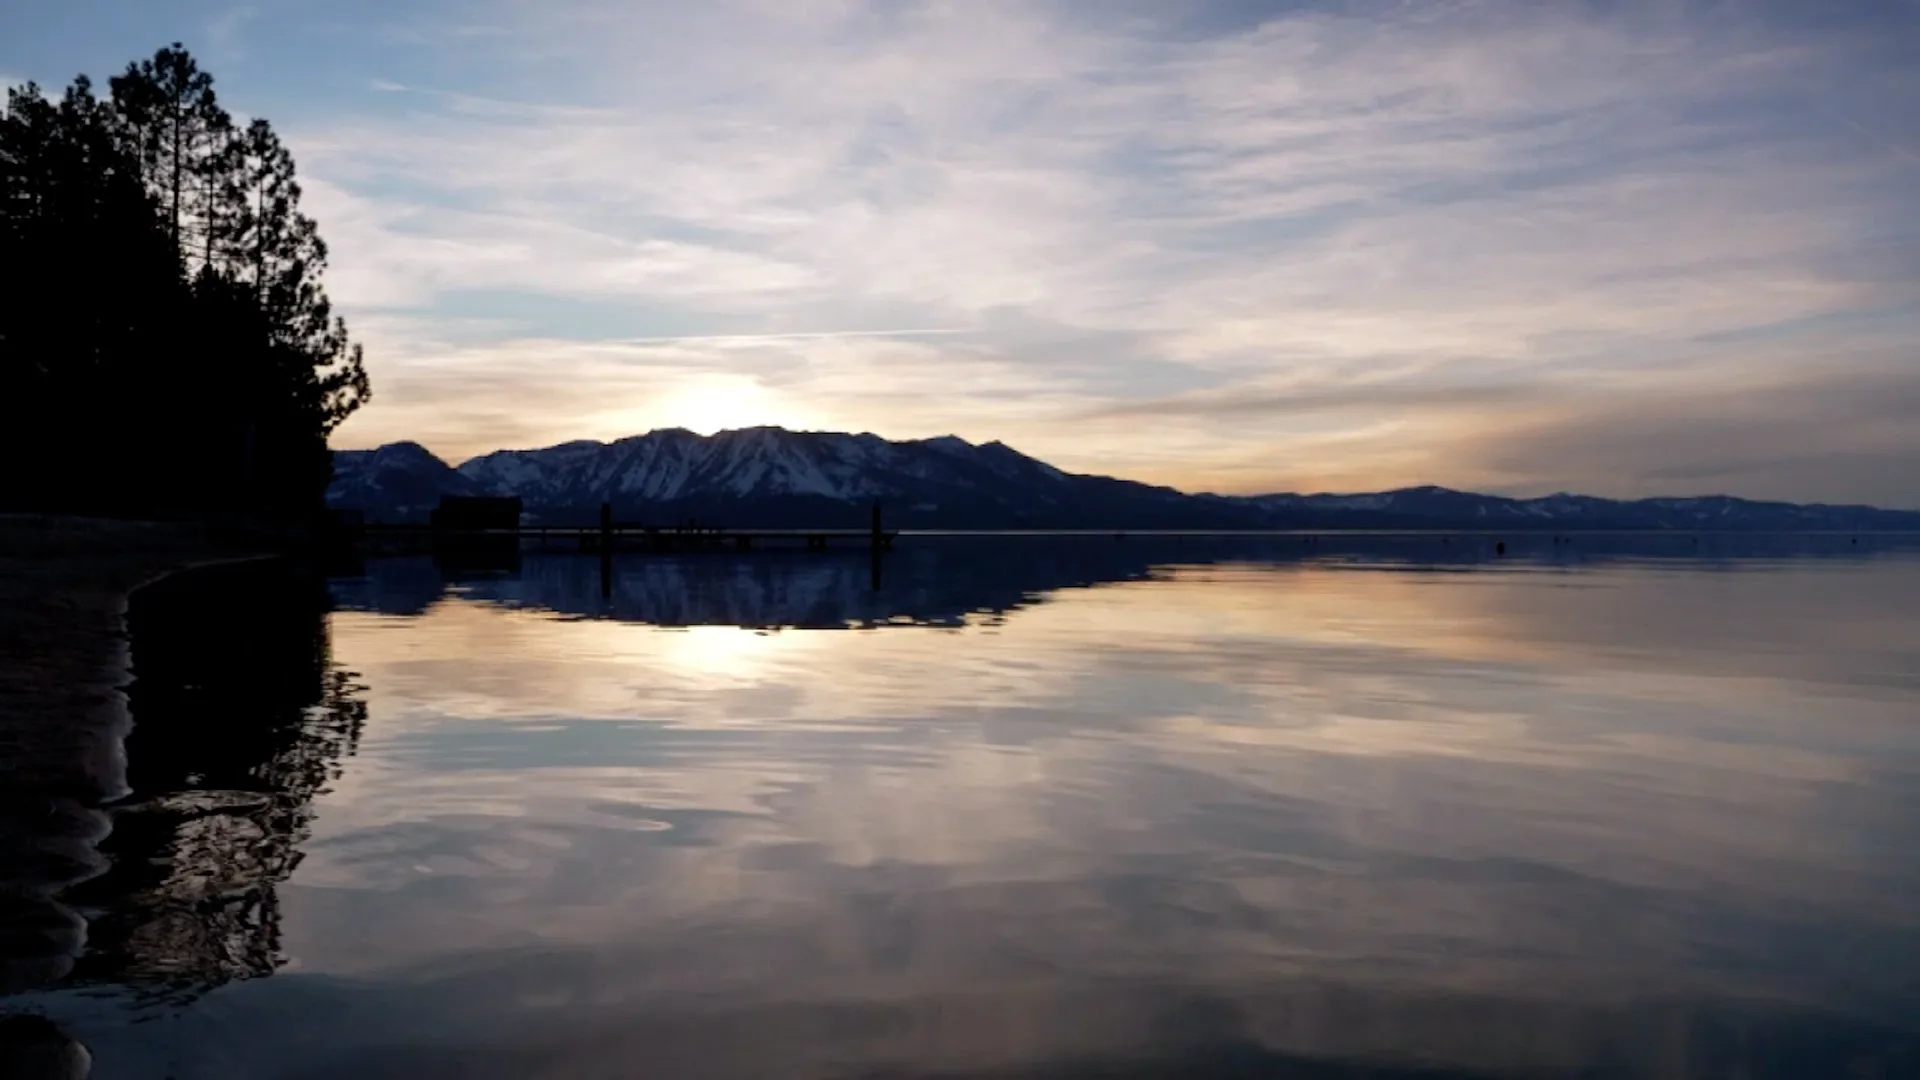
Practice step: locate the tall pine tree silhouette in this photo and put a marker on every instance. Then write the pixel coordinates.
(183, 137)
(165, 342)
(93, 287)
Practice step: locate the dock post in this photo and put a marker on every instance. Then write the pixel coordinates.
(874, 537)
(606, 550)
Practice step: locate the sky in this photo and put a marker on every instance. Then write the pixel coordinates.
(1625, 247)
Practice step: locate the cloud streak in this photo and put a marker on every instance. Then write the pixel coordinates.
(804, 335)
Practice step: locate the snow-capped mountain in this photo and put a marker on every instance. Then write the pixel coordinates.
(664, 466)
(770, 476)
(399, 481)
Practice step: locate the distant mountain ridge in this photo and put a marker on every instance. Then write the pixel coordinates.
(400, 481)
(771, 476)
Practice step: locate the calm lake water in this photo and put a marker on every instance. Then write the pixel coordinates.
(1028, 807)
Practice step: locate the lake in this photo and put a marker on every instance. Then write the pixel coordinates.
(1018, 807)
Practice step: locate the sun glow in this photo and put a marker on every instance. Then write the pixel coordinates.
(719, 404)
(730, 652)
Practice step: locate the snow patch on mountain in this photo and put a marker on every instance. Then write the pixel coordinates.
(674, 464)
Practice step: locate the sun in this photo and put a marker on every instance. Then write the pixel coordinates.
(711, 405)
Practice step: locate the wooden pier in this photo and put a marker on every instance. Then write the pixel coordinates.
(610, 536)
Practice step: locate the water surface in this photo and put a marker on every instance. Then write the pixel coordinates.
(1032, 807)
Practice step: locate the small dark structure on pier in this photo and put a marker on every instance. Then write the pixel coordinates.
(469, 512)
(476, 534)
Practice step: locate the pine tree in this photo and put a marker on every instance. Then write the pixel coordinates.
(185, 142)
(164, 339)
(93, 281)
(279, 253)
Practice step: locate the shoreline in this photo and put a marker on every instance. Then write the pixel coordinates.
(65, 663)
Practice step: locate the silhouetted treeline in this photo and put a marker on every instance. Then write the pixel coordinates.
(165, 344)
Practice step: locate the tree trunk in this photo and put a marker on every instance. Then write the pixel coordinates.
(179, 156)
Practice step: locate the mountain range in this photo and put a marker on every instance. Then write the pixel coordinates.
(768, 476)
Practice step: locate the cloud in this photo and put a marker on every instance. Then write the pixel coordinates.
(811, 335)
(1849, 435)
(1337, 235)
(1345, 397)
(466, 398)
(225, 32)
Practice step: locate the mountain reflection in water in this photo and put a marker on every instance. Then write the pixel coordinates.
(1038, 807)
(938, 580)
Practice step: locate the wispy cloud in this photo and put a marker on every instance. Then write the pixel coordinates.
(813, 335)
(224, 33)
(1241, 252)
(1875, 137)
